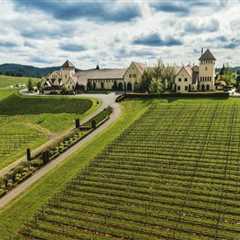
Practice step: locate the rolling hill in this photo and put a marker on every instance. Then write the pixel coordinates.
(25, 70)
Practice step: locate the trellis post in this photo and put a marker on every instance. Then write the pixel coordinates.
(77, 123)
(28, 154)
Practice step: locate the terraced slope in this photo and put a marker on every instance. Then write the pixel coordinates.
(174, 174)
(30, 121)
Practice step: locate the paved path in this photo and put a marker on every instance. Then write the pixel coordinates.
(51, 165)
(106, 99)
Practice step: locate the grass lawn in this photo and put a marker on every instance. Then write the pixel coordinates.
(23, 208)
(173, 174)
(7, 81)
(31, 121)
(5, 93)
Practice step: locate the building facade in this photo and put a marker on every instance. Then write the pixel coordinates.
(207, 71)
(197, 78)
(68, 78)
(183, 79)
(187, 79)
(61, 80)
(133, 76)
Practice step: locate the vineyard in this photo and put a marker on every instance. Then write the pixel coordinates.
(173, 174)
(29, 121)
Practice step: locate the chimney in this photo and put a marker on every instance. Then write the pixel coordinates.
(202, 52)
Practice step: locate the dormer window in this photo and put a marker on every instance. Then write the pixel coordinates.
(179, 79)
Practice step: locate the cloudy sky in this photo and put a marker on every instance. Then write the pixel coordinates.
(114, 33)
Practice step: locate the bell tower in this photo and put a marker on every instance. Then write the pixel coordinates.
(68, 67)
(206, 71)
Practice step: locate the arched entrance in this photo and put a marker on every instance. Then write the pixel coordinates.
(102, 85)
(129, 87)
(203, 88)
(208, 87)
(79, 88)
(120, 86)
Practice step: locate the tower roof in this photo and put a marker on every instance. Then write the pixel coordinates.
(68, 64)
(207, 55)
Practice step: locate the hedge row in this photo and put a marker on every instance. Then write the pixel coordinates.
(27, 168)
(184, 95)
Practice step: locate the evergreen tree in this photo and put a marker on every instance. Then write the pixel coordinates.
(30, 85)
(146, 80)
(156, 86)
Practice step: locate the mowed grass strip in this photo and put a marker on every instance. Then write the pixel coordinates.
(146, 185)
(27, 122)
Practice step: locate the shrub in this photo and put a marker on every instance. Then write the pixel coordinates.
(37, 163)
(94, 124)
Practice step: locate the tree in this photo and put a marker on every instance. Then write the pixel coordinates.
(146, 80)
(158, 83)
(169, 76)
(156, 86)
(30, 85)
(229, 77)
(158, 78)
(38, 85)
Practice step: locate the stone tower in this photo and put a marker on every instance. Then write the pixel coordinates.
(69, 68)
(207, 71)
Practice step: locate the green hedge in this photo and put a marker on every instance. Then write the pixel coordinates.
(184, 95)
(99, 117)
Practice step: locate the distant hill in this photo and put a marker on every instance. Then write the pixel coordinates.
(235, 69)
(11, 69)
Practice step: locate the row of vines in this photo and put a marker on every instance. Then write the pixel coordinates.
(174, 174)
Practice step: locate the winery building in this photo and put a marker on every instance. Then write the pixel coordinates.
(69, 78)
(198, 77)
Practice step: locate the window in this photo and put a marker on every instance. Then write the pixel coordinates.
(130, 75)
(134, 75)
(178, 88)
(185, 79)
(186, 88)
(102, 85)
(206, 68)
(179, 79)
(210, 78)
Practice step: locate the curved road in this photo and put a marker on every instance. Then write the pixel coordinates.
(107, 100)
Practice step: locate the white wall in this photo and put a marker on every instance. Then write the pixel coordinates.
(186, 80)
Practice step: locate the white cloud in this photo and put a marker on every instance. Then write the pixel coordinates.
(35, 37)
